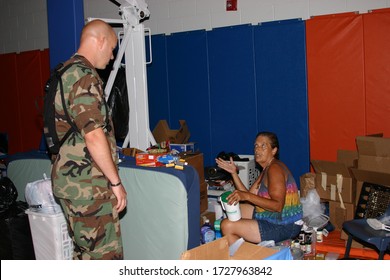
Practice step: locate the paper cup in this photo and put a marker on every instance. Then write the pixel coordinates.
(233, 212)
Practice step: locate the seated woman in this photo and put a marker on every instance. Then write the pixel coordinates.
(271, 208)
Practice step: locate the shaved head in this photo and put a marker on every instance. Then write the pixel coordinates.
(97, 37)
(96, 28)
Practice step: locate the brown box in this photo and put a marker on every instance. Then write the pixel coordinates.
(307, 183)
(348, 158)
(332, 176)
(338, 215)
(207, 215)
(204, 203)
(362, 176)
(131, 151)
(354, 243)
(219, 250)
(146, 159)
(195, 160)
(374, 153)
(162, 133)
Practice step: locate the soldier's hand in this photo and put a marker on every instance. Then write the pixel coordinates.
(121, 196)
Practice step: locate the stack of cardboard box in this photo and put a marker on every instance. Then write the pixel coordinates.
(340, 182)
(373, 161)
(220, 250)
(335, 184)
(196, 160)
(373, 165)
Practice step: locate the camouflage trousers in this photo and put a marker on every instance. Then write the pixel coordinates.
(94, 228)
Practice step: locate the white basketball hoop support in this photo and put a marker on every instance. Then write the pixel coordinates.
(132, 46)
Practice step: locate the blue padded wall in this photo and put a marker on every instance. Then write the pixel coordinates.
(232, 90)
(280, 57)
(188, 84)
(158, 82)
(231, 82)
(65, 21)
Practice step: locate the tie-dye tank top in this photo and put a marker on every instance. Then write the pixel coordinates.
(292, 210)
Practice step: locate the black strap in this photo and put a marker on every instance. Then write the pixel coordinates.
(68, 119)
(75, 129)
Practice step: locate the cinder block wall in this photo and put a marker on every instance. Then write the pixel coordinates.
(23, 26)
(23, 23)
(168, 16)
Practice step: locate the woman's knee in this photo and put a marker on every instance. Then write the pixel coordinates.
(226, 226)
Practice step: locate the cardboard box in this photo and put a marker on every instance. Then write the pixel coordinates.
(348, 158)
(195, 160)
(356, 244)
(332, 179)
(338, 215)
(131, 152)
(219, 250)
(162, 133)
(362, 176)
(146, 159)
(179, 148)
(204, 204)
(374, 153)
(206, 215)
(307, 183)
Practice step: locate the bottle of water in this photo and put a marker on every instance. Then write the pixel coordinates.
(217, 228)
(207, 234)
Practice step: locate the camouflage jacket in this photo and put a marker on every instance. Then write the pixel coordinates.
(75, 175)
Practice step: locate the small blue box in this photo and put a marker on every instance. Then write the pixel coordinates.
(187, 147)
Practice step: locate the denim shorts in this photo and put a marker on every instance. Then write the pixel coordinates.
(270, 231)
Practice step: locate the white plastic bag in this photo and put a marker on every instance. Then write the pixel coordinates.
(313, 210)
(311, 205)
(39, 197)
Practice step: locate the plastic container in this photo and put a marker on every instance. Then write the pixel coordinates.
(297, 253)
(39, 196)
(50, 236)
(207, 234)
(217, 228)
(320, 236)
(233, 212)
(248, 172)
(332, 256)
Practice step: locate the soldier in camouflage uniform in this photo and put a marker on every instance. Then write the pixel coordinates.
(85, 174)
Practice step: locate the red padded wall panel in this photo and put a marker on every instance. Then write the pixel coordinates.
(44, 74)
(377, 74)
(9, 104)
(335, 61)
(30, 83)
(22, 77)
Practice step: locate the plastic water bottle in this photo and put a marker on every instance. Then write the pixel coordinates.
(207, 234)
(217, 228)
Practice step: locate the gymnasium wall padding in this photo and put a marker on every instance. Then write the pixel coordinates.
(348, 79)
(189, 85)
(65, 21)
(23, 77)
(233, 105)
(158, 82)
(240, 76)
(227, 94)
(280, 63)
(335, 62)
(9, 105)
(377, 71)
